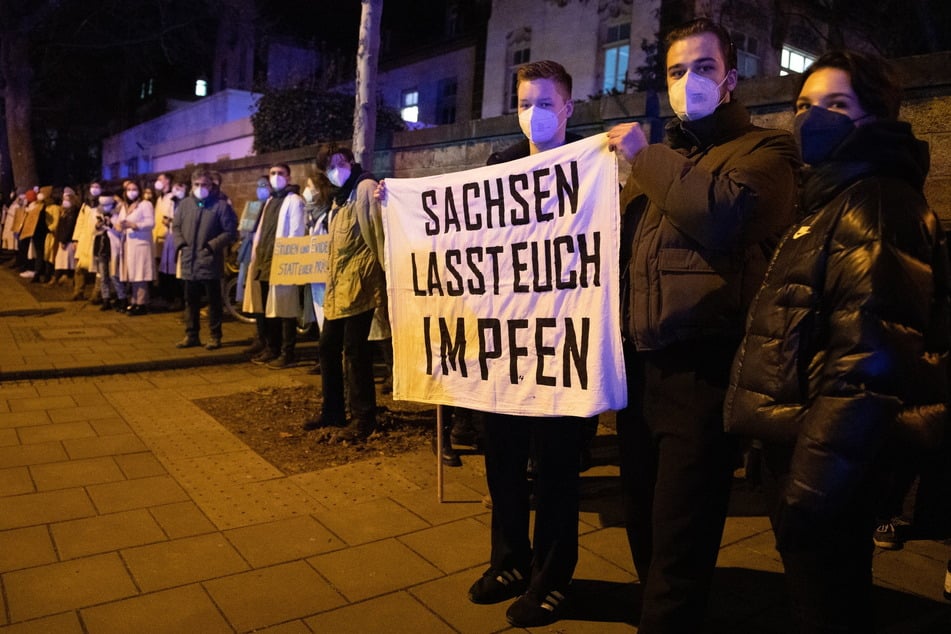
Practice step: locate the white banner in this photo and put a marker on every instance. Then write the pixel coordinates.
(503, 285)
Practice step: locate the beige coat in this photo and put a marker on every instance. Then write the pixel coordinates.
(51, 217)
(83, 236)
(164, 208)
(356, 282)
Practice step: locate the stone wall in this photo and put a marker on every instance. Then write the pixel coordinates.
(449, 148)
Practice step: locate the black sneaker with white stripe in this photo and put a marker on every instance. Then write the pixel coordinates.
(498, 585)
(528, 611)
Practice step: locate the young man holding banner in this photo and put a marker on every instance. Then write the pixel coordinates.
(539, 571)
(503, 299)
(701, 215)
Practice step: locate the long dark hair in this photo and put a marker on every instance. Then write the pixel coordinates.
(872, 78)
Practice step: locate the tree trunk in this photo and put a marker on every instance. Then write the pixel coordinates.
(364, 114)
(15, 66)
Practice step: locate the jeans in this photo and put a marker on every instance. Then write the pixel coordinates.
(107, 280)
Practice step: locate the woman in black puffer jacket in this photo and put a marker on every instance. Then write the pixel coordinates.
(843, 369)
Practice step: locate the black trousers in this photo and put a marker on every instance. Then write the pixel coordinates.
(278, 333)
(24, 263)
(344, 341)
(552, 554)
(828, 563)
(830, 587)
(193, 292)
(676, 471)
(170, 288)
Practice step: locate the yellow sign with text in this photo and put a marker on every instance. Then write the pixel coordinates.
(301, 260)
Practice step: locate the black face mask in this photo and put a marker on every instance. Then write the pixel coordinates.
(820, 131)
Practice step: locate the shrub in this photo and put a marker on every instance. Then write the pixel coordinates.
(288, 118)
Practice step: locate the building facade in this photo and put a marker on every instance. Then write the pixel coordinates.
(610, 47)
(213, 129)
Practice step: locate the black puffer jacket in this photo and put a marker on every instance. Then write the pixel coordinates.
(700, 220)
(846, 347)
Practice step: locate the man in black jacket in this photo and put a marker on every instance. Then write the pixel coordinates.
(701, 215)
(204, 226)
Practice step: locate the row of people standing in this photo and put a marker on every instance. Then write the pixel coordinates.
(842, 366)
(126, 242)
(114, 238)
(350, 308)
(62, 237)
(38, 225)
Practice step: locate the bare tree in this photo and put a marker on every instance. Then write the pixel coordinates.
(17, 21)
(364, 114)
(60, 57)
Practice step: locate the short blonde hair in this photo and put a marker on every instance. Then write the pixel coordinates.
(546, 69)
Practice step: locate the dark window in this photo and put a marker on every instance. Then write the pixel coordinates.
(519, 57)
(446, 105)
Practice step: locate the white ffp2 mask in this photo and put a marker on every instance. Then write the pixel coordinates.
(538, 124)
(694, 96)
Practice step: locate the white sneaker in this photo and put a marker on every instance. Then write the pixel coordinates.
(28, 274)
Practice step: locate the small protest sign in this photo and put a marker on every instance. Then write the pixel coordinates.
(301, 260)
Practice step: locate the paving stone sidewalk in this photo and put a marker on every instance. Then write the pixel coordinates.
(126, 508)
(55, 339)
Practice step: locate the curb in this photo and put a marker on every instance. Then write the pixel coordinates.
(122, 368)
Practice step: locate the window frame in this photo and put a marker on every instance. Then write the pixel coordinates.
(615, 43)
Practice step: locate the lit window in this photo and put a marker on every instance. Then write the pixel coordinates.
(793, 60)
(409, 106)
(617, 51)
(201, 87)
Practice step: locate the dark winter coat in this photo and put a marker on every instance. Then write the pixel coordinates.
(846, 348)
(203, 230)
(521, 149)
(66, 225)
(700, 219)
